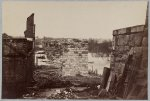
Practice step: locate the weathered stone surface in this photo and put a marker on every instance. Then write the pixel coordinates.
(140, 73)
(115, 32)
(121, 49)
(124, 58)
(121, 59)
(136, 62)
(145, 52)
(116, 64)
(137, 28)
(112, 59)
(135, 39)
(138, 52)
(145, 41)
(106, 73)
(145, 34)
(138, 39)
(18, 63)
(126, 48)
(117, 59)
(103, 93)
(136, 91)
(131, 40)
(123, 39)
(130, 50)
(121, 68)
(114, 42)
(122, 31)
(144, 62)
(74, 61)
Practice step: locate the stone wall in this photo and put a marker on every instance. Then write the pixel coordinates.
(17, 63)
(75, 61)
(71, 55)
(129, 63)
(30, 27)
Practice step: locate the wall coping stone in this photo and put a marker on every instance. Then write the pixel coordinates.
(129, 30)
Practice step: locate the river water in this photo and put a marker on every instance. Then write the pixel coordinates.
(97, 63)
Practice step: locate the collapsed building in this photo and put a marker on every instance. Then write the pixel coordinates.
(70, 54)
(18, 61)
(129, 63)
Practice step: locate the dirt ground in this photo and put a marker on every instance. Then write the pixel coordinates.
(50, 84)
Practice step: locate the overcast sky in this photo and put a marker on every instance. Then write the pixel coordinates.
(72, 19)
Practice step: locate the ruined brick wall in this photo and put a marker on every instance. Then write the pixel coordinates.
(75, 61)
(54, 48)
(18, 61)
(30, 27)
(17, 67)
(71, 55)
(129, 63)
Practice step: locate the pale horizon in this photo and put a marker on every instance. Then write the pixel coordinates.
(76, 19)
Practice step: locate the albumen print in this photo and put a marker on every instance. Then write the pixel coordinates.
(75, 50)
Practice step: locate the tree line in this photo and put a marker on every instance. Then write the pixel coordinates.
(102, 48)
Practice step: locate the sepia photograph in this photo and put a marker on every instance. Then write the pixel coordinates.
(75, 50)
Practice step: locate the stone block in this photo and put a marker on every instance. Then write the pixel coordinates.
(145, 41)
(141, 82)
(121, 67)
(131, 51)
(115, 32)
(116, 48)
(138, 39)
(117, 65)
(131, 40)
(128, 30)
(115, 40)
(140, 73)
(124, 58)
(138, 52)
(126, 48)
(118, 59)
(122, 31)
(123, 39)
(112, 65)
(135, 40)
(112, 57)
(145, 33)
(144, 52)
(137, 28)
(120, 40)
(144, 62)
(136, 62)
(122, 49)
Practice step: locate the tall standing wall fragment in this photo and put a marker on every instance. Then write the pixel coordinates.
(18, 62)
(129, 63)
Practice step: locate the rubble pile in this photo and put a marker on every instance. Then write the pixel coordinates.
(63, 94)
(54, 48)
(67, 93)
(46, 77)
